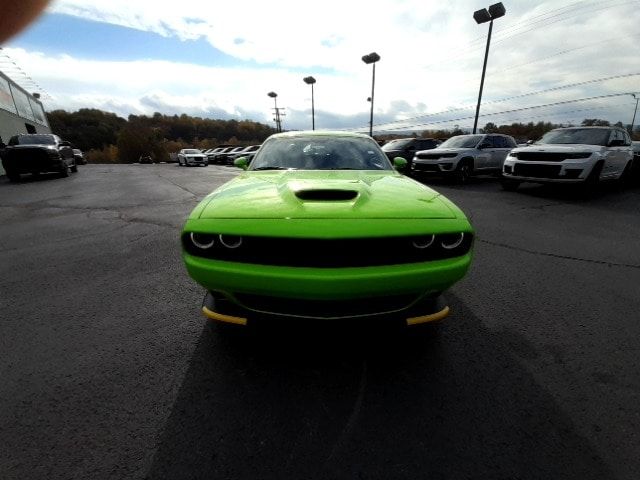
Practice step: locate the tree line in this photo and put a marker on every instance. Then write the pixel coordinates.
(107, 138)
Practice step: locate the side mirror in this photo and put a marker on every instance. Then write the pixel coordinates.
(529, 142)
(483, 145)
(616, 143)
(241, 162)
(399, 163)
(65, 144)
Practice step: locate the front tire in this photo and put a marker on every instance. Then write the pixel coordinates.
(13, 176)
(464, 172)
(64, 172)
(591, 183)
(74, 167)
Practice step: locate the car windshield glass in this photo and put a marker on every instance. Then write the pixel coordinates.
(461, 141)
(321, 153)
(396, 144)
(36, 140)
(584, 136)
(192, 151)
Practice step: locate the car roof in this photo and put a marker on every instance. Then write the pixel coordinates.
(320, 133)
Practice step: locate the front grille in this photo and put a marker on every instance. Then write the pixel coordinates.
(549, 156)
(536, 171)
(425, 167)
(434, 156)
(331, 253)
(325, 308)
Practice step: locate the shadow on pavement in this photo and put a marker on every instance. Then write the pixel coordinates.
(380, 403)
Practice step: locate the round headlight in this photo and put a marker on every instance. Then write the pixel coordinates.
(451, 241)
(202, 240)
(230, 241)
(424, 242)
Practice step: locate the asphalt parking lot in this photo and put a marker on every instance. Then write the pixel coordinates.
(108, 369)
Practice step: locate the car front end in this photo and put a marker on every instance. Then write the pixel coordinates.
(33, 158)
(552, 163)
(196, 159)
(326, 245)
(438, 161)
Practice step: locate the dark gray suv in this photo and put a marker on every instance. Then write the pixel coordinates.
(407, 148)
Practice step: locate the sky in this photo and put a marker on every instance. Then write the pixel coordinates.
(220, 59)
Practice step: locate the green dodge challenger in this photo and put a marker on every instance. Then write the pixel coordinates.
(321, 226)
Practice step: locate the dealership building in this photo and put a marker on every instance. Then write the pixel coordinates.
(20, 112)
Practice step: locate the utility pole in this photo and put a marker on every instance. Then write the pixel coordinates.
(277, 111)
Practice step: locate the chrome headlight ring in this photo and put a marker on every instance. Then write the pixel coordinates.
(424, 242)
(230, 241)
(201, 240)
(455, 244)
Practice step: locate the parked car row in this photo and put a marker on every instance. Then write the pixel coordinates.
(226, 154)
(221, 155)
(581, 155)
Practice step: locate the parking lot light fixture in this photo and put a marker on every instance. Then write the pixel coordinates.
(371, 58)
(310, 81)
(496, 10)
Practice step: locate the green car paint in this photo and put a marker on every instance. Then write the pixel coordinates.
(332, 205)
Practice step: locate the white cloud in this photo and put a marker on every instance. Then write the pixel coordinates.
(431, 58)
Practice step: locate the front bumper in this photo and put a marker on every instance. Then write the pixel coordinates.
(321, 284)
(32, 160)
(222, 308)
(567, 171)
(434, 167)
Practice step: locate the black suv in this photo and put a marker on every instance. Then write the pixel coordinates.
(407, 148)
(35, 153)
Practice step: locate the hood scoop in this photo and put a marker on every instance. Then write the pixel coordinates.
(326, 195)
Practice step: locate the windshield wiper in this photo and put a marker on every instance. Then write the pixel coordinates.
(272, 168)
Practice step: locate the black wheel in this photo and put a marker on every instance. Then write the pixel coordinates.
(464, 172)
(74, 167)
(625, 179)
(590, 185)
(509, 185)
(13, 176)
(64, 171)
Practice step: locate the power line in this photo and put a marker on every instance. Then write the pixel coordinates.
(522, 109)
(528, 94)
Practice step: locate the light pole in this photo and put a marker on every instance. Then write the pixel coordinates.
(274, 95)
(372, 58)
(310, 81)
(496, 10)
(634, 114)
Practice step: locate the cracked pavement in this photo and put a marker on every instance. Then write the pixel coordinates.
(109, 371)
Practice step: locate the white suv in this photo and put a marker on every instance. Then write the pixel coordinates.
(464, 155)
(571, 155)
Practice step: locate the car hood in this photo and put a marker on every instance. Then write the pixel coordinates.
(296, 194)
(450, 150)
(565, 148)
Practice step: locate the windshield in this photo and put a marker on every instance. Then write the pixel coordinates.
(33, 140)
(398, 144)
(461, 141)
(192, 151)
(321, 153)
(583, 136)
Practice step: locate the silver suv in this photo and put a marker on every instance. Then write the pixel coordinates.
(583, 155)
(464, 155)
